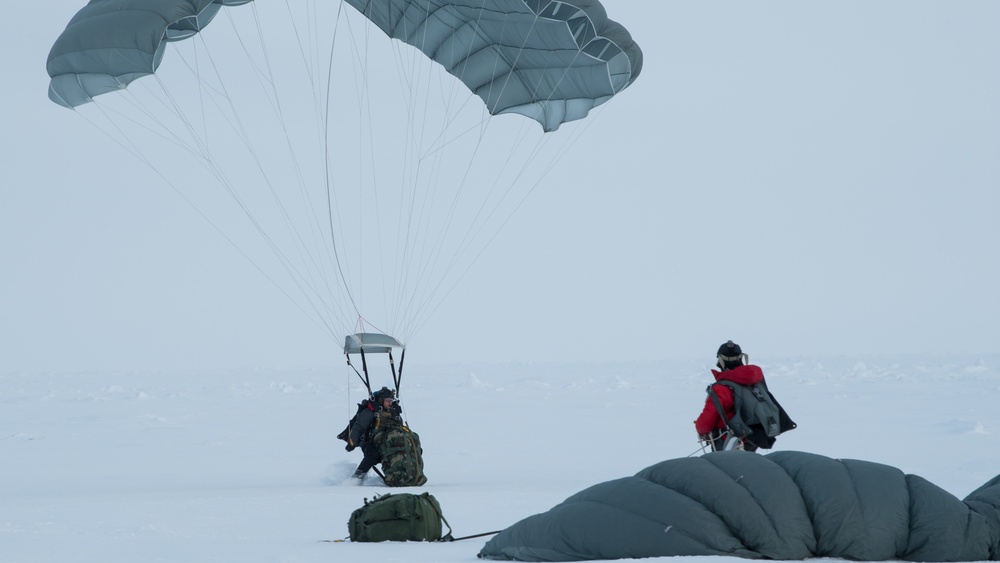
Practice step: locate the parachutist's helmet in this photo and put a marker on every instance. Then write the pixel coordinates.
(383, 394)
(730, 355)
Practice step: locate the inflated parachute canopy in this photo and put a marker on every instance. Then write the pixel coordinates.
(110, 43)
(784, 505)
(550, 61)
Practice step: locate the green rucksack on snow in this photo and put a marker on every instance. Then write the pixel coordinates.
(398, 517)
(402, 456)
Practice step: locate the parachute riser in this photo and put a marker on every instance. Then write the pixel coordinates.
(364, 367)
(397, 376)
(364, 378)
(374, 343)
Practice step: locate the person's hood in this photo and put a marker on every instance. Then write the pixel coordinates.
(744, 375)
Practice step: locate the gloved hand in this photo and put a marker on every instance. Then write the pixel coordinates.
(350, 447)
(704, 438)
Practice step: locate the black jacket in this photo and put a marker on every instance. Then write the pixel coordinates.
(364, 425)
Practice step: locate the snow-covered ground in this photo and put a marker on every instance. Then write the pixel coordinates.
(243, 465)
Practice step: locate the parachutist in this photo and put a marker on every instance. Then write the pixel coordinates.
(740, 413)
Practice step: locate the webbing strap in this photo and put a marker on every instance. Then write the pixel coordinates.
(718, 407)
(361, 377)
(446, 537)
(468, 537)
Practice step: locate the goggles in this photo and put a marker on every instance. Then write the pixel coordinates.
(743, 358)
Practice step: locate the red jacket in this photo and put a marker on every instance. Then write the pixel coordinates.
(709, 419)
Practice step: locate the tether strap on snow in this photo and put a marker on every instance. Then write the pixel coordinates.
(449, 538)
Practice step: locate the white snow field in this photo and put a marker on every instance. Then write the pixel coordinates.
(244, 466)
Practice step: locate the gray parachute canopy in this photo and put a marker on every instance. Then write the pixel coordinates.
(552, 61)
(785, 505)
(110, 43)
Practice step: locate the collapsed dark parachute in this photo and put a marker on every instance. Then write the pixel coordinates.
(110, 43)
(550, 61)
(784, 505)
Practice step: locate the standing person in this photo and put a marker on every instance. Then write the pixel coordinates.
(740, 412)
(362, 430)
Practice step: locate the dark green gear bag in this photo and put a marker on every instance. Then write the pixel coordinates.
(398, 517)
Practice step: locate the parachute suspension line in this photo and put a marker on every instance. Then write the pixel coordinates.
(466, 239)
(269, 86)
(548, 168)
(338, 264)
(489, 210)
(235, 124)
(321, 111)
(363, 378)
(574, 138)
(417, 304)
(208, 160)
(367, 168)
(129, 146)
(443, 234)
(359, 82)
(309, 64)
(201, 99)
(165, 132)
(407, 197)
(415, 261)
(300, 279)
(364, 97)
(411, 222)
(425, 259)
(385, 259)
(328, 183)
(315, 256)
(418, 307)
(123, 139)
(414, 222)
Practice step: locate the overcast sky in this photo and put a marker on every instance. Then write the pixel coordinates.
(804, 178)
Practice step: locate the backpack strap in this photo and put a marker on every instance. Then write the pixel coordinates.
(448, 536)
(718, 407)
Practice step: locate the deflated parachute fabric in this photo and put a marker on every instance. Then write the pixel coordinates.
(784, 505)
(548, 60)
(110, 43)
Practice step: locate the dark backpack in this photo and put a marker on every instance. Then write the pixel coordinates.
(354, 419)
(402, 456)
(398, 517)
(758, 417)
